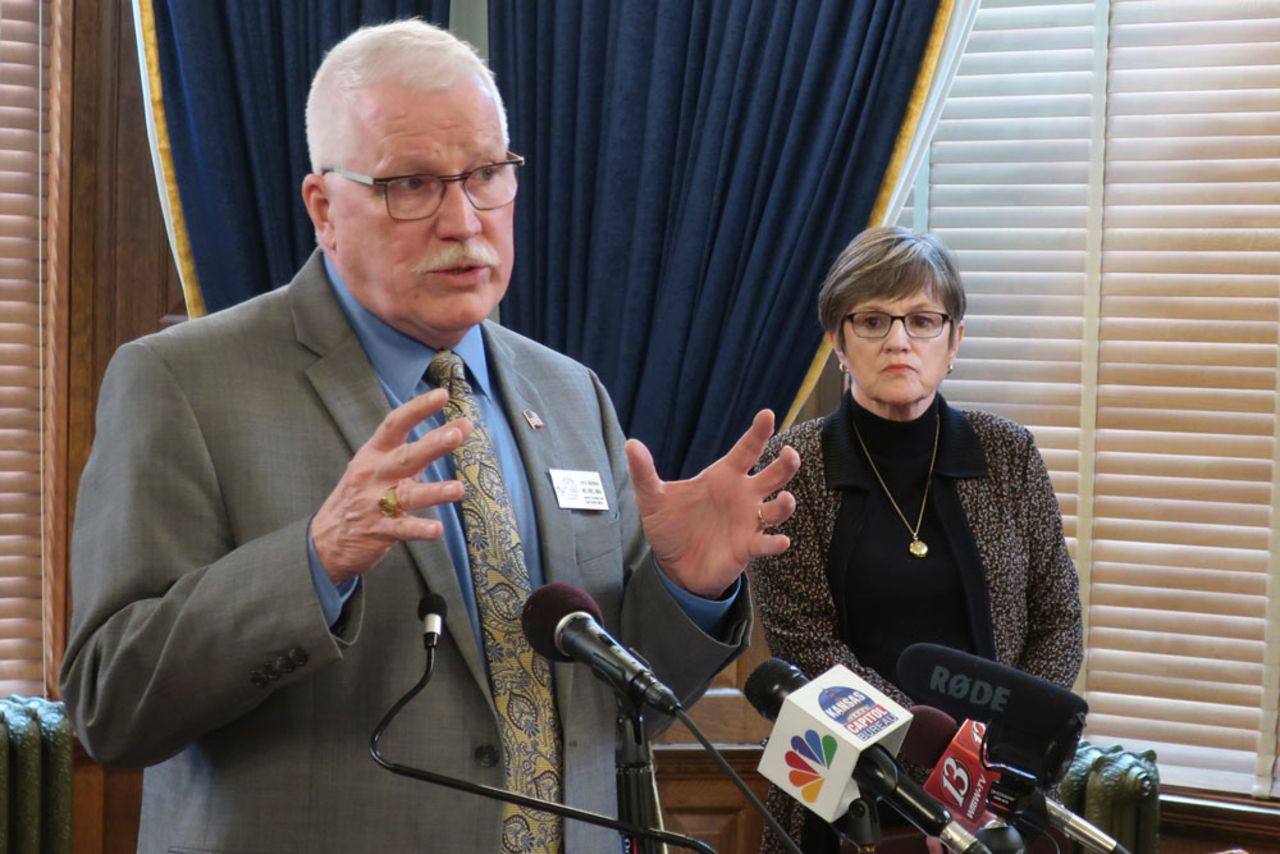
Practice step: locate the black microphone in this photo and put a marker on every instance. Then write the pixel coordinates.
(1034, 725)
(563, 623)
(432, 610)
(877, 770)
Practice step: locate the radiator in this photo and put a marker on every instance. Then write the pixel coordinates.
(35, 777)
(1117, 791)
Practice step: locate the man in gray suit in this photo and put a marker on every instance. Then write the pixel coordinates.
(271, 492)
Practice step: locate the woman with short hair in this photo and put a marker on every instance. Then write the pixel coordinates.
(915, 522)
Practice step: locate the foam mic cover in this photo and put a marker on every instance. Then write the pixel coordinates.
(967, 686)
(432, 603)
(432, 611)
(546, 607)
(769, 684)
(931, 731)
(563, 623)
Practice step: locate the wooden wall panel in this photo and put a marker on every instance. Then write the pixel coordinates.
(698, 800)
(121, 285)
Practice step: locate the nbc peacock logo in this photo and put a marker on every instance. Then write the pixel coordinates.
(808, 758)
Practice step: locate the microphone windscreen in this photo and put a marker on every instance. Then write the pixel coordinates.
(931, 731)
(770, 683)
(432, 603)
(544, 610)
(968, 686)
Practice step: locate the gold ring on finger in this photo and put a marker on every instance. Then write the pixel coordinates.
(389, 504)
(760, 523)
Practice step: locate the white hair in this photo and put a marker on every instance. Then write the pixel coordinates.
(410, 52)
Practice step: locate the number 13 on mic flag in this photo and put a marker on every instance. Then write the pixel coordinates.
(960, 781)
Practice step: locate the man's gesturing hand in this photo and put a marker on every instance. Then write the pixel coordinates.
(705, 530)
(351, 532)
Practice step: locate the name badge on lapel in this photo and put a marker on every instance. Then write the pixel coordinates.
(579, 490)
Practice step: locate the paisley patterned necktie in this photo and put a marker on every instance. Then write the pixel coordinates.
(521, 680)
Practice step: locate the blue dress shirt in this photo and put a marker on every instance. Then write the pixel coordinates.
(400, 363)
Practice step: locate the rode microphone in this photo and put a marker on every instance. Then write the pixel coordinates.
(1033, 725)
(563, 623)
(835, 734)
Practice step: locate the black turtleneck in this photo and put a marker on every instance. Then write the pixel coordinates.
(892, 598)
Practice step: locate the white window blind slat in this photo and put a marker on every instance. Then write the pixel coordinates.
(1156, 80)
(1111, 667)
(1181, 511)
(1012, 216)
(1191, 56)
(1162, 486)
(1032, 194)
(1230, 692)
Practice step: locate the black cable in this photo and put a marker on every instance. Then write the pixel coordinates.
(738, 781)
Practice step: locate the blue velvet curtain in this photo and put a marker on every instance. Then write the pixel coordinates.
(694, 168)
(236, 74)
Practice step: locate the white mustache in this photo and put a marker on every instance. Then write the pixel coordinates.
(473, 253)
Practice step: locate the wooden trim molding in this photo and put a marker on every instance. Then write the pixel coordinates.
(1246, 822)
(55, 393)
(107, 802)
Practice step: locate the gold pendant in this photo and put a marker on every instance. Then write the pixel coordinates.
(918, 548)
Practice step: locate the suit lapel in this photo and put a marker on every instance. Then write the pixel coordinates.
(344, 381)
(540, 450)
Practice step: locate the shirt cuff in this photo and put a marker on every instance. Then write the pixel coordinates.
(332, 596)
(707, 614)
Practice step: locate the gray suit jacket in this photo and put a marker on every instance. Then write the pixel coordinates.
(198, 647)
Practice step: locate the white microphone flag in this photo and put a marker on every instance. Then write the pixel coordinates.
(821, 730)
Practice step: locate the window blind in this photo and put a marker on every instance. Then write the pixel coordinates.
(23, 38)
(1109, 176)
(1185, 486)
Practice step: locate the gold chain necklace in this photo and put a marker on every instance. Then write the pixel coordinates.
(918, 548)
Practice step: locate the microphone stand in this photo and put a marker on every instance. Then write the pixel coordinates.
(630, 830)
(860, 825)
(636, 803)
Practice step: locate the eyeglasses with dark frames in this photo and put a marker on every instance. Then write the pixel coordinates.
(918, 324)
(418, 196)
